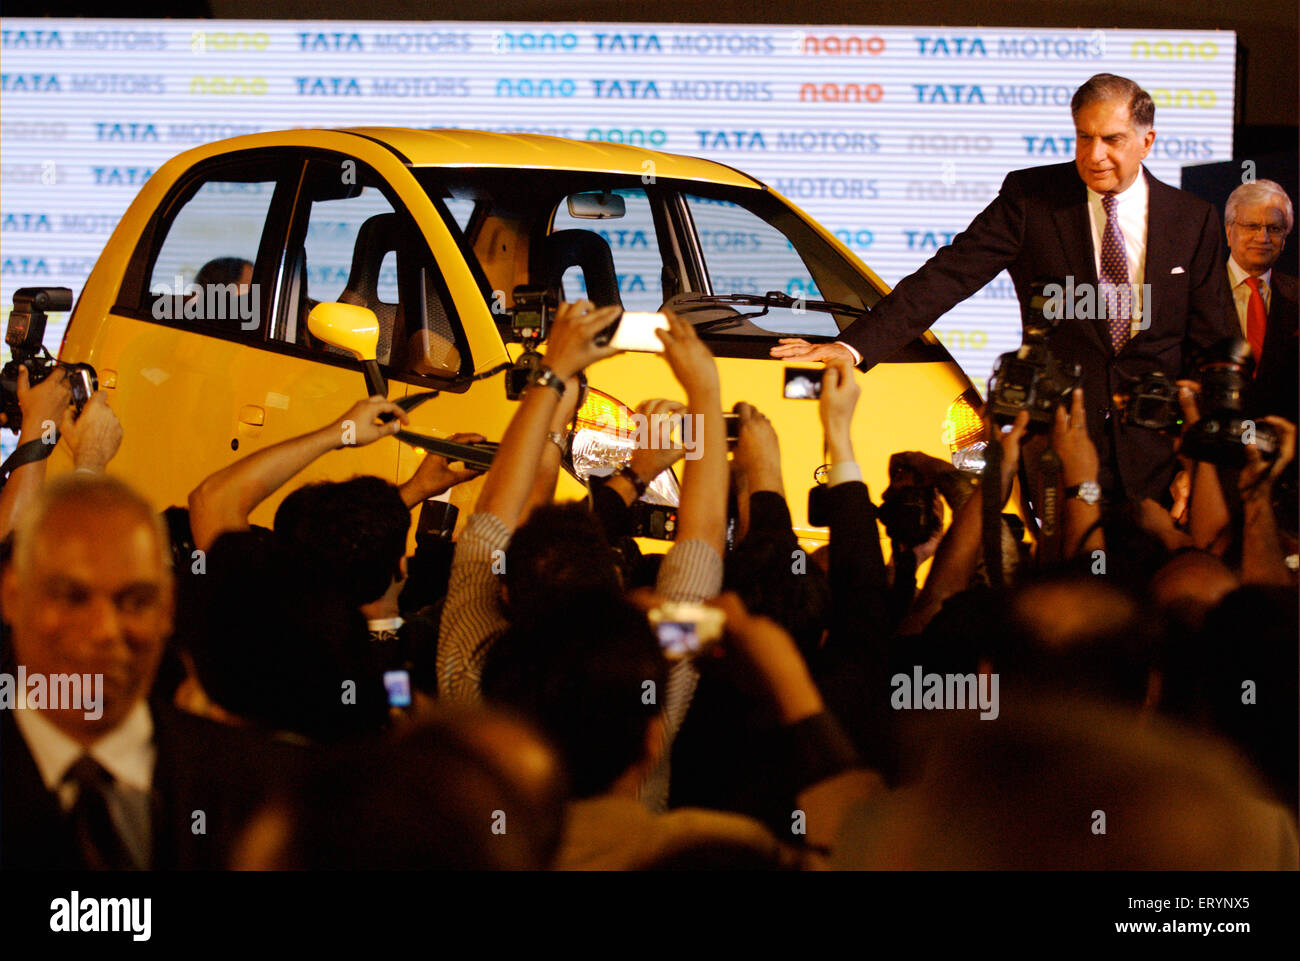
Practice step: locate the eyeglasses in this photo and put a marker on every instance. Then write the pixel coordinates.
(1274, 230)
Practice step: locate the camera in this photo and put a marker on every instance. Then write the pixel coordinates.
(1221, 435)
(1153, 404)
(24, 336)
(658, 521)
(530, 318)
(1031, 378)
(909, 515)
(685, 629)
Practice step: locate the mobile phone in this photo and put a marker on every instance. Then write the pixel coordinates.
(732, 420)
(686, 629)
(801, 384)
(636, 331)
(398, 686)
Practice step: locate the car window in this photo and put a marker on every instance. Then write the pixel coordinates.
(357, 248)
(203, 273)
(633, 245)
(744, 254)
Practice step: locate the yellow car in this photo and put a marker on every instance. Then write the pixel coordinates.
(195, 315)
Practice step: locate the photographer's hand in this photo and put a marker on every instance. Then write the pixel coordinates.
(95, 436)
(435, 475)
(758, 451)
(839, 398)
(43, 404)
(1262, 559)
(570, 346)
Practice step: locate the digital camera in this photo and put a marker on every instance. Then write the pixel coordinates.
(24, 336)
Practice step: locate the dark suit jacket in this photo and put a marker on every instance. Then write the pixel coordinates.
(201, 766)
(1037, 228)
(1276, 390)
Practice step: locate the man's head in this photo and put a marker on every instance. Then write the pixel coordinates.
(90, 592)
(1113, 132)
(560, 548)
(1257, 218)
(588, 672)
(354, 531)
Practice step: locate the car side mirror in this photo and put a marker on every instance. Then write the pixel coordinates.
(356, 330)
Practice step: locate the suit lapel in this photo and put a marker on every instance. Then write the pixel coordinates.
(1075, 231)
(1161, 236)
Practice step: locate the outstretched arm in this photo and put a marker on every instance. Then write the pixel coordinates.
(223, 501)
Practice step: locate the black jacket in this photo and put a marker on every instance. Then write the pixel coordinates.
(1038, 228)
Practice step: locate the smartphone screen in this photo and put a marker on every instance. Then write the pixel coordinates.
(678, 639)
(636, 331)
(398, 686)
(802, 384)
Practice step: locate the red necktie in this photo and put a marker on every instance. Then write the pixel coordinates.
(1256, 319)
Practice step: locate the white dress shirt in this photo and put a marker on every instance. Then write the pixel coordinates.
(1237, 278)
(1132, 213)
(127, 752)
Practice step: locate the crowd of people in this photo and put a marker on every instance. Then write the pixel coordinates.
(309, 696)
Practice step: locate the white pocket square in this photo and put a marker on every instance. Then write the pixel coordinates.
(1177, 270)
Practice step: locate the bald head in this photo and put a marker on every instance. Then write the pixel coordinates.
(90, 592)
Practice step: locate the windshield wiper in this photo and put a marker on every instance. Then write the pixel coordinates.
(773, 298)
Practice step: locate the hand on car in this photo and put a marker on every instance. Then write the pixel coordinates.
(361, 425)
(570, 346)
(435, 474)
(796, 348)
(93, 437)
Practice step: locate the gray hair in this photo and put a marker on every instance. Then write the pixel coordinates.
(1259, 192)
(1108, 86)
(85, 494)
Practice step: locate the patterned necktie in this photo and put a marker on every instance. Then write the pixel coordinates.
(98, 840)
(1256, 319)
(1113, 280)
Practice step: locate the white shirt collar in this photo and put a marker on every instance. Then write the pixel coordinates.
(1238, 274)
(127, 751)
(1134, 194)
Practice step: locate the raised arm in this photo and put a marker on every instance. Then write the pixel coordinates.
(223, 501)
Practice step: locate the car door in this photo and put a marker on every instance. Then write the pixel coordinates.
(172, 350)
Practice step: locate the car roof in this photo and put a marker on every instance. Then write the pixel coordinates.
(480, 148)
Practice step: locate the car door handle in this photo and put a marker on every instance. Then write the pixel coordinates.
(252, 415)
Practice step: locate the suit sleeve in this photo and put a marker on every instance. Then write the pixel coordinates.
(976, 255)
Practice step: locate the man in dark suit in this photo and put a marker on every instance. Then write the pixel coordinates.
(1114, 230)
(93, 777)
(1257, 219)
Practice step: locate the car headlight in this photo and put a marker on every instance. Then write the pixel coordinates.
(963, 432)
(603, 442)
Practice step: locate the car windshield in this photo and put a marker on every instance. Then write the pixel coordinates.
(735, 261)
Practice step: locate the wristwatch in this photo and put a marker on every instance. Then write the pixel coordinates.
(560, 440)
(547, 378)
(1089, 492)
(634, 479)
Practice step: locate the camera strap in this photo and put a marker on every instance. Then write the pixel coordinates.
(28, 453)
(991, 513)
(1049, 478)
